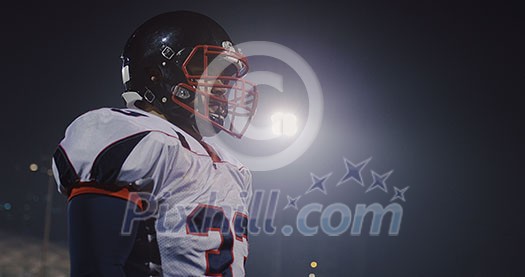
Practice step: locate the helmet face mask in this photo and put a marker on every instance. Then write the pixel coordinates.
(214, 74)
(184, 64)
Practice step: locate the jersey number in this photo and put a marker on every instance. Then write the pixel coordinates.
(204, 219)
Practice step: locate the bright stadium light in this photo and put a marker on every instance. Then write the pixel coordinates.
(284, 124)
(277, 123)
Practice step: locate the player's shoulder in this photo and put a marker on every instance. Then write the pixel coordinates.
(110, 115)
(118, 120)
(107, 125)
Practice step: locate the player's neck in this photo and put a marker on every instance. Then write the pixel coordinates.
(188, 128)
(153, 112)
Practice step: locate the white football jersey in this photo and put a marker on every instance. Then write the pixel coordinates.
(202, 204)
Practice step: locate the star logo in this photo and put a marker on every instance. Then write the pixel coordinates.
(379, 181)
(318, 183)
(399, 194)
(353, 171)
(292, 202)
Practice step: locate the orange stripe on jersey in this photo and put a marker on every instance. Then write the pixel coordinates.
(211, 152)
(124, 193)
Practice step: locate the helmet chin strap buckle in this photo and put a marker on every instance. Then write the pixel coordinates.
(149, 96)
(182, 93)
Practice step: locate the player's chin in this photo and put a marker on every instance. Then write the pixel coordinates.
(209, 129)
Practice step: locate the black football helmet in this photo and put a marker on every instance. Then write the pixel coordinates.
(185, 64)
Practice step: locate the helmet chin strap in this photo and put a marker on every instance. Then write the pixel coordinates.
(180, 117)
(173, 112)
(193, 124)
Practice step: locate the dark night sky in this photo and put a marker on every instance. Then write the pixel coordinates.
(429, 89)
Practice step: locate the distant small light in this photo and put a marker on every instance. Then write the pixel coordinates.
(313, 264)
(33, 167)
(7, 206)
(311, 275)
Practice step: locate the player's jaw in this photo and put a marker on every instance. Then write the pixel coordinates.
(211, 100)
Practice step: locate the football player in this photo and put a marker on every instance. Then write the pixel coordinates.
(183, 83)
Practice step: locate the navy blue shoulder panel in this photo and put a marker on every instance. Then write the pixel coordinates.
(66, 172)
(108, 163)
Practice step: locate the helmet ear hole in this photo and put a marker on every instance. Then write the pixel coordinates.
(154, 74)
